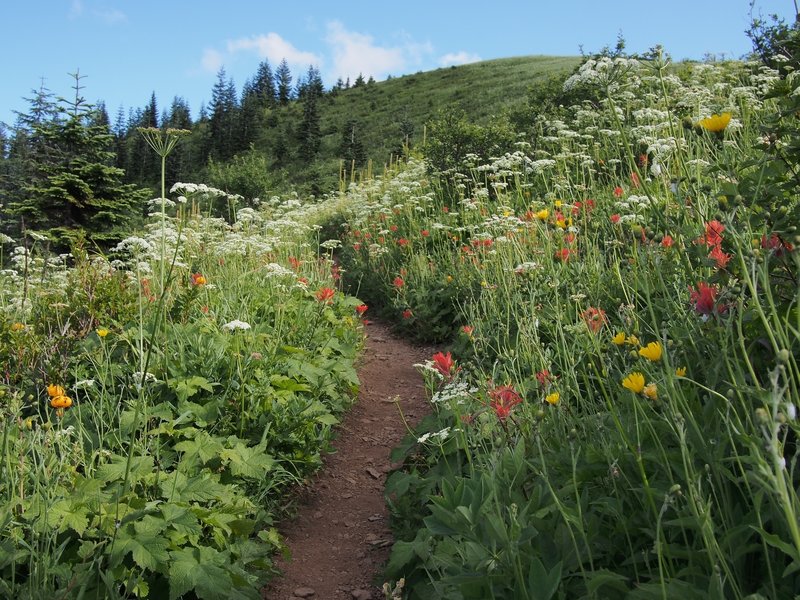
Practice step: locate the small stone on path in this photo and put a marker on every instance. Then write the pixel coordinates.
(361, 595)
(304, 592)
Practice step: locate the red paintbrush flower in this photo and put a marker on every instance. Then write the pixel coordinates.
(325, 294)
(444, 363)
(502, 399)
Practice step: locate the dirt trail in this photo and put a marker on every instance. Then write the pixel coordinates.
(340, 537)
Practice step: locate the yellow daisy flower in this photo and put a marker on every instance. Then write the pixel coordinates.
(651, 352)
(634, 382)
(619, 339)
(650, 391)
(715, 123)
(553, 398)
(680, 371)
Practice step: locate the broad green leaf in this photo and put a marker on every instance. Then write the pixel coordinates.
(203, 447)
(248, 462)
(148, 551)
(177, 487)
(182, 520)
(543, 584)
(199, 569)
(114, 470)
(186, 388)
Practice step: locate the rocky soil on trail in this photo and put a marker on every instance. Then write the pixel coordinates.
(340, 537)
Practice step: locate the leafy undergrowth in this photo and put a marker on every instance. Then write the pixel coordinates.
(616, 417)
(156, 403)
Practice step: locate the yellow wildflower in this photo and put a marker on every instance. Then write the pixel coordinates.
(17, 326)
(102, 332)
(680, 371)
(558, 203)
(632, 340)
(650, 391)
(634, 382)
(553, 398)
(619, 339)
(715, 123)
(543, 214)
(651, 352)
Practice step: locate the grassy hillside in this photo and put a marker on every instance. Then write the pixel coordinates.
(482, 90)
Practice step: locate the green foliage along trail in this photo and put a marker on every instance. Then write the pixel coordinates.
(615, 276)
(617, 416)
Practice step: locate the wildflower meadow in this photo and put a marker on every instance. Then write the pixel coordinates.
(617, 414)
(614, 405)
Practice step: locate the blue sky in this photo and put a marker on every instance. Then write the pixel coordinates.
(130, 48)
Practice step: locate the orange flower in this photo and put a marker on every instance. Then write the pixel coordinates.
(595, 318)
(61, 402)
(198, 279)
(55, 390)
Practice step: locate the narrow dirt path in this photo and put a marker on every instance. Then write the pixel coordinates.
(340, 538)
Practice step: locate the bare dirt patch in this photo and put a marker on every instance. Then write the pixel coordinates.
(340, 537)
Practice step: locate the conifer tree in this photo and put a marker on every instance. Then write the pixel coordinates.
(178, 117)
(351, 148)
(223, 122)
(264, 85)
(309, 132)
(283, 81)
(74, 186)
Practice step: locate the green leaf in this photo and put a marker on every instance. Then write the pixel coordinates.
(543, 584)
(248, 462)
(603, 578)
(186, 388)
(182, 520)
(177, 487)
(203, 447)
(199, 569)
(148, 551)
(114, 470)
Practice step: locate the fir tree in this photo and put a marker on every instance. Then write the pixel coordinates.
(179, 163)
(351, 149)
(283, 79)
(309, 132)
(264, 85)
(75, 186)
(223, 125)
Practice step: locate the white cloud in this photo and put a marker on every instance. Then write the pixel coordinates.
(274, 48)
(349, 53)
(211, 61)
(110, 16)
(356, 53)
(75, 9)
(458, 58)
